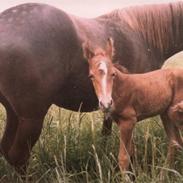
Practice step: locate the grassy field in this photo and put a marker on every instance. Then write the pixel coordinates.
(71, 149)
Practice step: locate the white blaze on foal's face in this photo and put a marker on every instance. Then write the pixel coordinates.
(102, 84)
(103, 72)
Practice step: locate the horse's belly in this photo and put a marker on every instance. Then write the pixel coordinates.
(76, 101)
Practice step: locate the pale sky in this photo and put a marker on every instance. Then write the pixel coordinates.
(84, 8)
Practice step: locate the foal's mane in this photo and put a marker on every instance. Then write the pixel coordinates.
(121, 68)
(159, 25)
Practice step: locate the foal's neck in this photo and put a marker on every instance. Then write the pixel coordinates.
(121, 74)
(119, 79)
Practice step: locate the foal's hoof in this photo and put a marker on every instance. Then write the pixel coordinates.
(128, 177)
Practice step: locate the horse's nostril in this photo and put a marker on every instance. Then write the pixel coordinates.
(111, 102)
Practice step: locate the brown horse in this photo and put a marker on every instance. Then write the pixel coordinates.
(130, 98)
(41, 60)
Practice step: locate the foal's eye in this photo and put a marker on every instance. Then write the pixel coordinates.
(113, 74)
(101, 72)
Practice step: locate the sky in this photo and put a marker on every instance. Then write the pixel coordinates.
(84, 8)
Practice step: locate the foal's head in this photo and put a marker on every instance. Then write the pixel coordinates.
(101, 72)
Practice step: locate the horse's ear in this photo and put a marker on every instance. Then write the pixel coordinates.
(110, 48)
(87, 50)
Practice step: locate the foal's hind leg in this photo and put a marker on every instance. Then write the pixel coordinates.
(175, 140)
(28, 132)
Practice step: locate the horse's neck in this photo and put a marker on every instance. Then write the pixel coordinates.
(167, 37)
(153, 32)
(90, 29)
(161, 27)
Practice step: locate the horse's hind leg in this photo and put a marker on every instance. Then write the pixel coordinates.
(28, 132)
(10, 131)
(175, 140)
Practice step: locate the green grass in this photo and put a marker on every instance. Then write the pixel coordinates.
(71, 149)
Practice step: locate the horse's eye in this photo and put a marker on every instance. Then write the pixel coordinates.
(91, 76)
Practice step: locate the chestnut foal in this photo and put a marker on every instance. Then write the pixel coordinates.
(130, 98)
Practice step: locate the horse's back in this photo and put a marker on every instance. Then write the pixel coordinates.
(37, 42)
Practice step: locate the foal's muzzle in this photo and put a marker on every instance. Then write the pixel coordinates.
(106, 106)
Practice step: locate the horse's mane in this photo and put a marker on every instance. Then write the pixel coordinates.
(159, 24)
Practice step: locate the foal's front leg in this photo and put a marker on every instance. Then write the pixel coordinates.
(125, 151)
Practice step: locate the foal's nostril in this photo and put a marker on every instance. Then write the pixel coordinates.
(101, 104)
(105, 106)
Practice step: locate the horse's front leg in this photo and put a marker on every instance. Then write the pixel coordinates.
(107, 125)
(126, 149)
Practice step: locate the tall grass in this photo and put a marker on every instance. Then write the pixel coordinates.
(72, 149)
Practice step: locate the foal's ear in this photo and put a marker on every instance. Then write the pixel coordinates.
(110, 48)
(87, 50)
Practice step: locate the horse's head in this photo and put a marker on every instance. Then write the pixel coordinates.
(101, 72)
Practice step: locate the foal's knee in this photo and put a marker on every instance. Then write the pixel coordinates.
(123, 161)
(175, 144)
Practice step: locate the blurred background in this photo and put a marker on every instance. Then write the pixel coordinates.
(86, 8)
